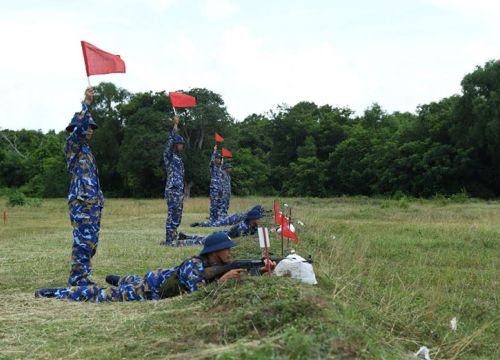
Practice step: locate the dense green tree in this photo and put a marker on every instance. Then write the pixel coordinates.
(477, 127)
(141, 154)
(308, 172)
(250, 174)
(445, 147)
(107, 140)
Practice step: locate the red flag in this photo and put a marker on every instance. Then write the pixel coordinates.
(4, 217)
(182, 100)
(277, 213)
(286, 231)
(98, 61)
(218, 138)
(226, 153)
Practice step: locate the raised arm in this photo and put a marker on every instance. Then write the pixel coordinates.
(167, 154)
(79, 132)
(213, 157)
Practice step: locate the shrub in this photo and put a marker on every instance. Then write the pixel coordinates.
(460, 197)
(17, 198)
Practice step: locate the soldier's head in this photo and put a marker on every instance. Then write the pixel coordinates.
(254, 215)
(77, 120)
(217, 248)
(218, 159)
(179, 143)
(227, 167)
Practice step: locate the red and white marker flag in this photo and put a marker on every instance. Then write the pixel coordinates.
(264, 243)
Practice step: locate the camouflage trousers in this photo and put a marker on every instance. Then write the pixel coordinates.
(86, 222)
(190, 240)
(224, 206)
(224, 221)
(131, 288)
(175, 204)
(215, 204)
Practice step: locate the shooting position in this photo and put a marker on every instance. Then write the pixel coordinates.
(213, 264)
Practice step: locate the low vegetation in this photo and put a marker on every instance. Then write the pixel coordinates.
(392, 274)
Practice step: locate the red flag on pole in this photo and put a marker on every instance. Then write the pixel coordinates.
(4, 217)
(182, 100)
(218, 138)
(226, 153)
(98, 61)
(287, 232)
(277, 213)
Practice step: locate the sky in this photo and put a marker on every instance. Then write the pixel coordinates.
(256, 54)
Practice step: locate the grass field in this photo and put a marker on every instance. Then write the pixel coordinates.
(392, 274)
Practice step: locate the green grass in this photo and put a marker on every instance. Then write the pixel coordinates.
(392, 274)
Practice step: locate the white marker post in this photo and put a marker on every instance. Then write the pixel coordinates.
(264, 244)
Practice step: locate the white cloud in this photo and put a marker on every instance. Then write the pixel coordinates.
(37, 58)
(220, 9)
(485, 8)
(43, 75)
(266, 74)
(160, 5)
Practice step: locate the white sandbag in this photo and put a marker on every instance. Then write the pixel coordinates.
(296, 267)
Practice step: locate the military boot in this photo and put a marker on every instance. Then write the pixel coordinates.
(113, 280)
(46, 292)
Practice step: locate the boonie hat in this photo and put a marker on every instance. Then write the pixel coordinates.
(217, 241)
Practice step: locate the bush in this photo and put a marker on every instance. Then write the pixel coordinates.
(460, 197)
(17, 198)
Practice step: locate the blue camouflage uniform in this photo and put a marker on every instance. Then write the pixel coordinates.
(174, 188)
(216, 188)
(240, 229)
(136, 288)
(85, 198)
(226, 221)
(226, 194)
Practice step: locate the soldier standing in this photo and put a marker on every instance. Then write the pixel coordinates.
(174, 187)
(216, 185)
(85, 198)
(226, 189)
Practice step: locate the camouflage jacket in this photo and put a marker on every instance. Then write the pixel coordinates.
(216, 173)
(81, 163)
(173, 165)
(241, 229)
(190, 275)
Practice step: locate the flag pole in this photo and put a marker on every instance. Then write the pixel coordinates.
(88, 80)
(282, 240)
(289, 224)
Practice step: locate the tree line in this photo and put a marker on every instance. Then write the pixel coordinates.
(445, 147)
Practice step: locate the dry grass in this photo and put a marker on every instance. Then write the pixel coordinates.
(392, 274)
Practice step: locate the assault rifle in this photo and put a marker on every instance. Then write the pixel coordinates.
(172, 287)
(252, 266)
